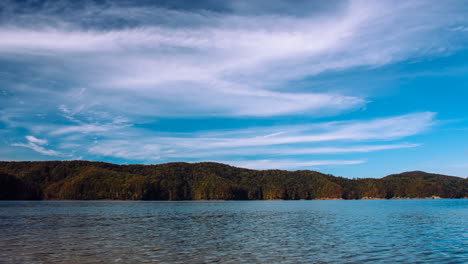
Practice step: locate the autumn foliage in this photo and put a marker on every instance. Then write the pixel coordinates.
(84, 180)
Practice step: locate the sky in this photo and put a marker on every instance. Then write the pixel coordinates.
(350, 88)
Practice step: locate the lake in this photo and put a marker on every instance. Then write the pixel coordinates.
(352, 231)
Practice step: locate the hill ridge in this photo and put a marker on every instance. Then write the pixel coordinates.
(94, 180)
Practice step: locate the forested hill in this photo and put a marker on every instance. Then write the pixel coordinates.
(85, 180)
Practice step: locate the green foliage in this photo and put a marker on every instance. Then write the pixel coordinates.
(84, 180)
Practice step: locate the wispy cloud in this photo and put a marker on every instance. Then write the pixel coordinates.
(285, 151)
(36, 140)
(95, 79)
(281, 141)
(228, 64)
(127, 150)
(377, 129)
(85, 128)
(460, 28)
(36, 144)
(287, 164)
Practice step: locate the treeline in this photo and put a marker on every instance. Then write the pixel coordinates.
(84, 180)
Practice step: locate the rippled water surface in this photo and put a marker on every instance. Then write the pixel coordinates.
(377, 231)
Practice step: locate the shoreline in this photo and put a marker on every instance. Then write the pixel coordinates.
(319, 199)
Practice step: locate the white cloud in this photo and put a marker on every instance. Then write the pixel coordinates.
(284, 151)
(281, 141)
(87, 122)
(105, 76)
(34, 144)
(35, 140)
(127, 150)
(227, 65)
(85, 129)
(377, 129)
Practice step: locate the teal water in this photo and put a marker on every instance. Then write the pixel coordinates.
(373, 231)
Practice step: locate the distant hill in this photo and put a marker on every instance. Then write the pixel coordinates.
(85, 180)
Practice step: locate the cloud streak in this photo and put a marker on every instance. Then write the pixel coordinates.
(286, 164)
(280, 142)
(36, 145)
(229, 64)
(288, 151)
(98, 80)
(377, 129)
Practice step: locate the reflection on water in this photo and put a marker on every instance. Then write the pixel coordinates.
(383, 231)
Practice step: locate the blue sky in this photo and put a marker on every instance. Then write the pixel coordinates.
(351, 88)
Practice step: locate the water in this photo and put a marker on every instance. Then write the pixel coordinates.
(376, 231)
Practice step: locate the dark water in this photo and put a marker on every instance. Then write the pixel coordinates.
(377, 231)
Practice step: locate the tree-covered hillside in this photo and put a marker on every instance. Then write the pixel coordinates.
(84, 180)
